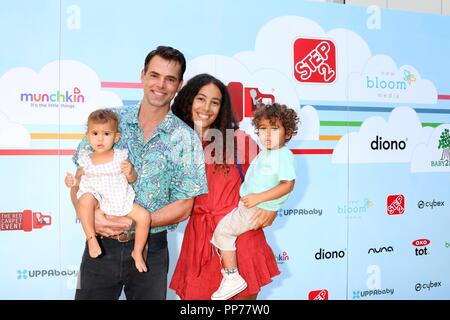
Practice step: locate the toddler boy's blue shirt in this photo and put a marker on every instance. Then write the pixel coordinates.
(266, 171)
(170, 165)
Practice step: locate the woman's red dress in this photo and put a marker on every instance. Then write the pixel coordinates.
(197, 273)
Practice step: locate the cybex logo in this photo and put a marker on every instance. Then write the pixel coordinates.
(380, 250)
(322, 254)
(379, 144)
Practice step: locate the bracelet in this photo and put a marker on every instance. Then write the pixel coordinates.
(90, 237)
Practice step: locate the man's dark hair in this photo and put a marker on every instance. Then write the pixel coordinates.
(167, 53)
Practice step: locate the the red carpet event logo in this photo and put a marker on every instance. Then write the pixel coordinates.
(318, 295)
(314, 60)
(395, 204)
(419, 243)
(247, 100)
(26, 220)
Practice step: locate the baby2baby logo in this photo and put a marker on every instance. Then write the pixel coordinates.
(26, 220)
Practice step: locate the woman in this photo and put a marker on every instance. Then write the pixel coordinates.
(205, 105)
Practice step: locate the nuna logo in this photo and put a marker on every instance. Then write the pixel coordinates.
(379, 144)
(322, 254)
(380, 250)
(419, 243)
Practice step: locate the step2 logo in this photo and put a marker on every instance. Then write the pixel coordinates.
(314, 60)
(318, 295)
(246, 100)
(26, 220)
(421, 243)
(395, 204)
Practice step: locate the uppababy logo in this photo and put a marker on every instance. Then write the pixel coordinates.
(282, 257)
(24, 274)
(26, 220)
(373, 292)
(395, 204)
(314, 60)
(299, 212)
(318, 295)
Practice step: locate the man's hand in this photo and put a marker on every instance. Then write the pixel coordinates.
(251, 200)
(110, 226)
(70, 180)
(263, 218)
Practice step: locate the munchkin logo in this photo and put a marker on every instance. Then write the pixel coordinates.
(26, 220)
(53, 100)
(282, 257)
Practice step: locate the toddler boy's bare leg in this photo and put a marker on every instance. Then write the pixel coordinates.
(86, 208)
(143, 221)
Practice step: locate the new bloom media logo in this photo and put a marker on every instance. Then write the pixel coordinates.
(27, 220)
(355, 208)
(395, 204)
(314, 60)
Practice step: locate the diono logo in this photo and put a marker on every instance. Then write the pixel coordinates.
(379, 144)
(326, 255)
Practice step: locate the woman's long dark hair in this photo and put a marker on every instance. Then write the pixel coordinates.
(182, 107)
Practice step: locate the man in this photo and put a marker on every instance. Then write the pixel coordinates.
(168, 158)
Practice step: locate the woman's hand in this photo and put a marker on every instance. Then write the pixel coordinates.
(263, 218)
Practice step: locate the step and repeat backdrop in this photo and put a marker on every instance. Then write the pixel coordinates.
(370, 214)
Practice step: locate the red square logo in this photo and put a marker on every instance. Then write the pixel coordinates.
(395, 204)
(318, 295)
(314, 60)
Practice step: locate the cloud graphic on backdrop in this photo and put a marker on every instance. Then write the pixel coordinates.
(382, 81)
(12, 135)
(381, 141)
(263, 83)
(62, 92)
(433, 156)
(354, 63)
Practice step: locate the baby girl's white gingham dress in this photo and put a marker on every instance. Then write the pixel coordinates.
(107, 183)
